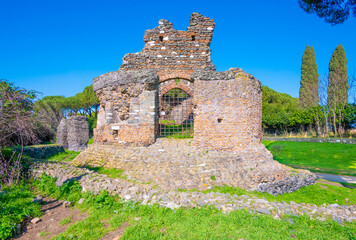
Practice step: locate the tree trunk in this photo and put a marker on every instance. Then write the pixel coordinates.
(334, 124)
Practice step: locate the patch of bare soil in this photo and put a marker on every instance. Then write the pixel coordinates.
(116, 235)
(49, 225)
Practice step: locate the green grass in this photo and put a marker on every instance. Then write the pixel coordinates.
(107, 213)
(318, 193)
(66, 221)
(44, 233)
(15, 206)
(335, 158)
(110, 172)
(91, 141)
(177, 131)
(64, 156)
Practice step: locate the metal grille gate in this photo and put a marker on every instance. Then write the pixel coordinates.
(176, 114)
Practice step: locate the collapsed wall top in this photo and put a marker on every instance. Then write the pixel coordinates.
(169, 49)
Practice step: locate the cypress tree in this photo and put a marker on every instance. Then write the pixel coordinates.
(338, 80)
(309, 83)
(338, 87)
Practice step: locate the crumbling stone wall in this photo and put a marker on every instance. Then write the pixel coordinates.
(128, 107)
(228, 109)
(62, 133)
(167, 48)
(78, 133)
(73, 133)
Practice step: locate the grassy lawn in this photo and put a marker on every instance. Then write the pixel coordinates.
(335, 158)
(107, 213)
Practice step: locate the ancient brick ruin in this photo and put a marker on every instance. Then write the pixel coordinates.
(222, 109)
(226, 106)
(73, 133)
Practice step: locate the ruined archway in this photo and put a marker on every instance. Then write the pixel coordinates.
(176, 117)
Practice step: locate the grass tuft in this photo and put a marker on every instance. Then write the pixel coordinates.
(66, 156)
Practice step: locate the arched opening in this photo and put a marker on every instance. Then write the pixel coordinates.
(176, 116)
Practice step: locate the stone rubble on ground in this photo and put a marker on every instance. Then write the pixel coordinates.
(35, 220)
(148, 194)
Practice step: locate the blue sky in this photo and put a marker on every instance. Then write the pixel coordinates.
(58, 47)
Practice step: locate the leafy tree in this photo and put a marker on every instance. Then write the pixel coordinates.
(90, 100)
(73, 105)
(338, 88)
(281, 112)
(309, 83)
(49, 111)
(332, 11)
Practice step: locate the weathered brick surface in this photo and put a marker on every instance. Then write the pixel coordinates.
(128, 107)
(228, 110)
(167, 48)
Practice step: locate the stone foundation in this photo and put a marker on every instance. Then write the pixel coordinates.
(173, 164)
(145, 193)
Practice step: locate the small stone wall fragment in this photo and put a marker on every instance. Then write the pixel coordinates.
(78, 133)
(320, 140)
(42, 151)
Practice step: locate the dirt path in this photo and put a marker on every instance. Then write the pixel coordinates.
(49, 225)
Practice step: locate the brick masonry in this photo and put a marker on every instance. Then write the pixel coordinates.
(228, 110)
(169, 49)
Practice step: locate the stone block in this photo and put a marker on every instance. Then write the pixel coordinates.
(78, 133)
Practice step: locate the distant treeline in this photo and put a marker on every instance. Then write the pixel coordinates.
(326, 105)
